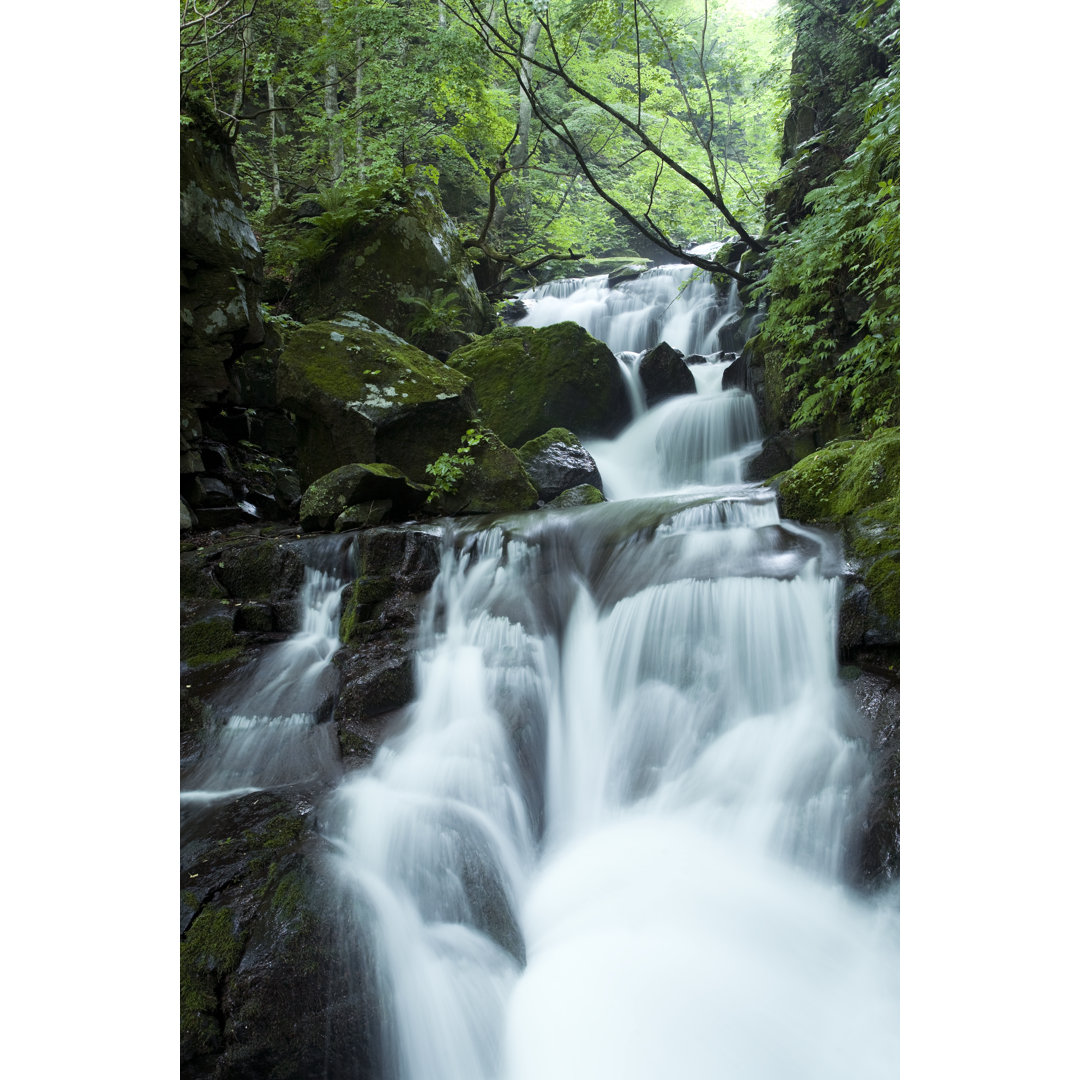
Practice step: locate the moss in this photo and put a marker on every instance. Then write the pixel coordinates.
(206, 659)
(210, 952)
(542, 442)
(582, 495)
(855, 484)
(280, 831)
(842, 478)
(207, 637)
(529, 380)
(359, 600)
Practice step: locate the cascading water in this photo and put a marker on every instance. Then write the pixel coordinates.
(611, 840)
(270, 732)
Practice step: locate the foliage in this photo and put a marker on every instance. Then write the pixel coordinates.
(442, 310)
(834, 314)
(328, 96)
(448, 469)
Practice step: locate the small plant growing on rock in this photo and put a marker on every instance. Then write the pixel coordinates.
(448, 469)
(442, 310)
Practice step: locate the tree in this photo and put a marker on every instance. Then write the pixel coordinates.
(667, 85)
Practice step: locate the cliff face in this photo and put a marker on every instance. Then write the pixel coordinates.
(221, 266)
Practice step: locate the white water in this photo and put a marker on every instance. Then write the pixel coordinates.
(676, 304)
(270, 733)
(628, 764)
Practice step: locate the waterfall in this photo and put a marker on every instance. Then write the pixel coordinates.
(269, 732)
(611, 839)
(677, 304)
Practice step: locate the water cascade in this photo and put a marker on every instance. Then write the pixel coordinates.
(611, 841)
(269, 731)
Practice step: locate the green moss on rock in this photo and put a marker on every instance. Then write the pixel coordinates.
(362, 394)
(529, 380)
(207, 638)
(495, 482)
(209, 953)
(582, 495)
(854, 485)
(358, 485)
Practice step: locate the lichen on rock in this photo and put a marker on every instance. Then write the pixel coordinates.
(360, 393)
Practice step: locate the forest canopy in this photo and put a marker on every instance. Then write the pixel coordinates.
(539, 120)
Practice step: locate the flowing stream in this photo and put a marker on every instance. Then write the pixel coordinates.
(611, 842)
(270, 732)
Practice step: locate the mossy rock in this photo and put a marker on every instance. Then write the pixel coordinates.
(582, 495)
(361, 393)
(209, 954)
(495, 482)
(854, 485)
(358, 485)
(399, 263)
(530, 379)
(556, 461)
(209, 639)
(843, 478)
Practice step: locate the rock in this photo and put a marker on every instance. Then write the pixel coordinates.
(877, 697)
(401, 264)
(626, 273)
(583, 495)
(363, 516)
(379, 613)
(854, 485)
(361, 393)
(187, 519)
(207, 491)
(358, 485)
(494, 482)
(206, 636)
(778, 453)
(528, 380)
(664, 374)
(273, 978)
(512, 311)
(220, 261)
(556, 461)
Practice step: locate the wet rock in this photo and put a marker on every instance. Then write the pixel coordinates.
(188, 520)
(664, 374)
(264, 986)
(630, 272)
(528, 380)
(878, 699)
(583, 495)
(556, 461)
(493, 481)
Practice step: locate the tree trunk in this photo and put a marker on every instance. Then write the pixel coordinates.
(271, 102)
(519, 153)
(359, 117)
(330, 102)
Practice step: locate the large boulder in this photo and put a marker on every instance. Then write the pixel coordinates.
(401, 263)
(221, 266)
(556, 461)
(490, 479)
(358, 485)
(530, 379)
(853, 485)
(361, 393)
(664, 374)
